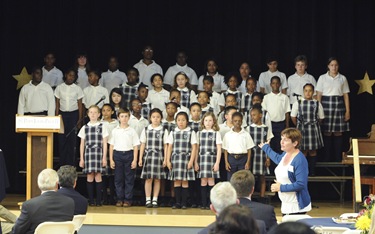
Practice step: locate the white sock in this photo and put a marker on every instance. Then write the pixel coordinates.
(148, 199)
(155, 199)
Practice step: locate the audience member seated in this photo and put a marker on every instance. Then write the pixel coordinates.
(236, 219)
(68, 181)
(6, 227)
(49, 206)
(291, 228)
(223, 195)
(243, 182)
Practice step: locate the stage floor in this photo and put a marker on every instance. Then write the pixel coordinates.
(168, 217)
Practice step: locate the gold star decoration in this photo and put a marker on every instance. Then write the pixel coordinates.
(23, 78)
(365, 85)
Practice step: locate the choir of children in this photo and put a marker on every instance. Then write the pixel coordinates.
(175, 135)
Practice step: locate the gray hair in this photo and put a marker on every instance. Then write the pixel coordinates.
(47, 179)
(223, 195)
(67, 176)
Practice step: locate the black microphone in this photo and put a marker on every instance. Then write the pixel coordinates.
(101, 99)
(296, 95)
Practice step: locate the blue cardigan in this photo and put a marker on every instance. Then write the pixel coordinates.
(299, 176)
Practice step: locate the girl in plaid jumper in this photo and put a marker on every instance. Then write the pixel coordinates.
(153, 148)
(208, 160)
(182, 147)
(93, 153)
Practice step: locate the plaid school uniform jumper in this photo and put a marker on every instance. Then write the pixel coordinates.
(181, 153)
(308, 124)
(238, 95)
(259, 134)
(153, 156)
(205, 110)
(170, 126)
(207, 155)
(247, 103)
(194, 125)
(334, 112)
(185, 98)
(130, 92)
(93, 149)
(145, 111)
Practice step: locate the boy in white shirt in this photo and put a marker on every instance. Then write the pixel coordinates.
(113, 77)
(181, 65)
(278, 107)
(147, 67)
(299, 79)
(123, 154)
(265, 77)
(95, 94)
(51, 74)
(137, 121)
(237, 146)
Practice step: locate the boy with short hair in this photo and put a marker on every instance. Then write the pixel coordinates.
(113, 78)
(51, 74)
(147, 66)
(123, 154)
(265, 77)
(299, 79)
(278, 107)
(137, 121)
(237, 146)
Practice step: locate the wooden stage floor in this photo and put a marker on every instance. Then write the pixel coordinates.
(168, 217)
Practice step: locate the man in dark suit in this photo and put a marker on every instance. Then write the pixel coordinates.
(49, 206)
(68, 181)
(223, 195)
(243, 182)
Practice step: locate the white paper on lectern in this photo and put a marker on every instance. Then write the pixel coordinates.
(38, 122)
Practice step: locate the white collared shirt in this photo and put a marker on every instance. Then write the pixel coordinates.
(173, 70)
(138, 124)
(93, 94)
(277, 105)
(53, 77)
(193, 139)
(83, 78)
(143, 137)
(219, 84)
(214, 102)
(68, 96)
(124, 139)
(265, 80)
(296, 83)
(243, 88)
(237, 142)
(110, 126)
(36, 98)
(218, 141)
(158, 99)
(112, 80)
(224, 128)
(146, 71)
(332, 86)
(82, 134)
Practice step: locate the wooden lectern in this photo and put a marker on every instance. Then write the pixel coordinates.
(39, 154)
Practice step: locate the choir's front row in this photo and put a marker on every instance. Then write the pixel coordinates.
(173, 148)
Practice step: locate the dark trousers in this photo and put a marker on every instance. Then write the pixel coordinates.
(124, 175)
(67, 142)
(235, 164)
(277, 128)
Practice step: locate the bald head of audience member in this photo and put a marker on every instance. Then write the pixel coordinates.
(236, 219)
(48, 180)
(222, 195)
(67, 176)
(243, 182)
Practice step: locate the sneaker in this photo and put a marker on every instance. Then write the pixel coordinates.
(127, 204)
(119, 204)
(155, 204)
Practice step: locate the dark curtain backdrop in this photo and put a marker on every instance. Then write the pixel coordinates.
(230, 31)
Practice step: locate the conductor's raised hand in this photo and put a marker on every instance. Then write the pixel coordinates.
(264, 143)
